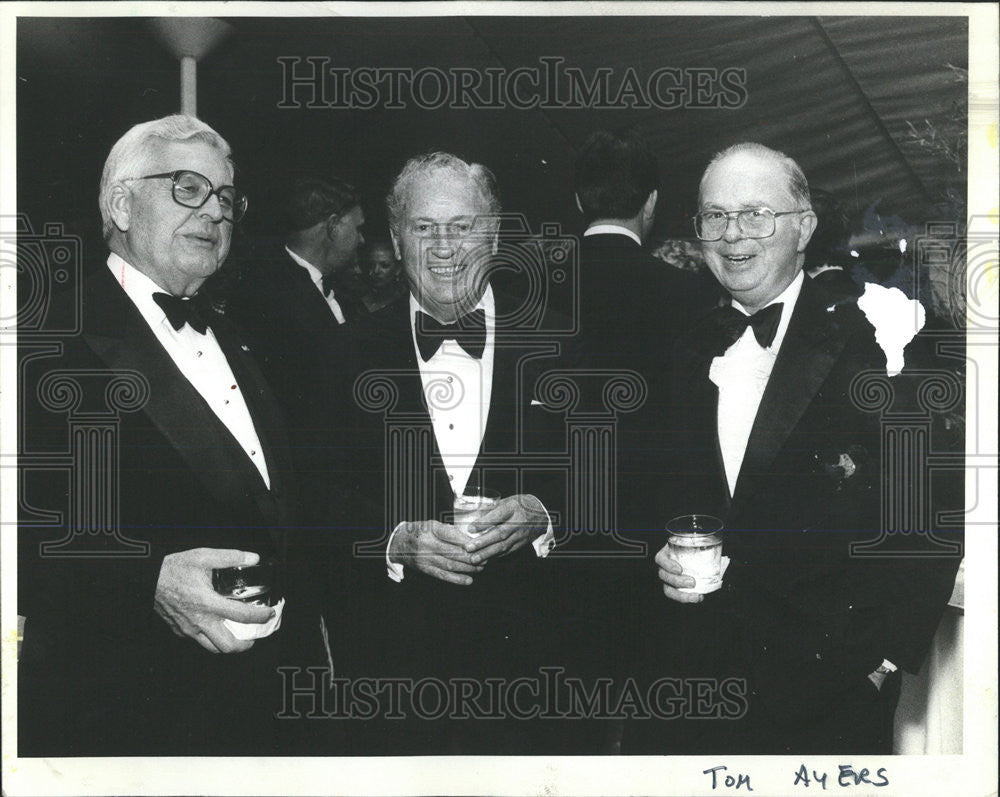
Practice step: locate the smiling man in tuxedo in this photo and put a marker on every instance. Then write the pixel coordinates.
(768, 435)
(464, 360)
(138, 654)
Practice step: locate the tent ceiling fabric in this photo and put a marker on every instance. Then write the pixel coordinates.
(836, 93)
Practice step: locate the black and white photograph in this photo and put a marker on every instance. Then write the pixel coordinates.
(499, 398)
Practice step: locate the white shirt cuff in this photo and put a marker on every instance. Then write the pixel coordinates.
(544, 544)
(393, 569)
(889, 665)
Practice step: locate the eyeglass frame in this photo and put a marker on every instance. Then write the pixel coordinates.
(731, 214)
(211, 190)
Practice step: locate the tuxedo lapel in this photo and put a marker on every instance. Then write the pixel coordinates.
(124, 341)
(809, 350)
(400, 358)
(696, 399)
(504, 416)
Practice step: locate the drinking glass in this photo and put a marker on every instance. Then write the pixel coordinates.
(695, 541)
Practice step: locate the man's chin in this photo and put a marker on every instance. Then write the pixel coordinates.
(202, 267)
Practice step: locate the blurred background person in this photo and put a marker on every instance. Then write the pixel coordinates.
(828, 258)
(383, 277)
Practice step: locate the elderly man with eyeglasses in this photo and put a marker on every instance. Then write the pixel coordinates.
(798, 652)
(128, 648)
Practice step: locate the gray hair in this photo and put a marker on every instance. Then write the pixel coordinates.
(130, 154)
(797, 183)
(476, 174)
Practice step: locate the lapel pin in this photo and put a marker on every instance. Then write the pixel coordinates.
(244, 347)
(847, 464)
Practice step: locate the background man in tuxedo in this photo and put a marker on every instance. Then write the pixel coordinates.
(464, 360)
(827, 258)
(632, 305)
(133, 655)
(768, 437)
(300, 328)
(616, 183)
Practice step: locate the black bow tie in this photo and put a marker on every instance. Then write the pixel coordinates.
(469, 332)
(179, 312)
(732, 324)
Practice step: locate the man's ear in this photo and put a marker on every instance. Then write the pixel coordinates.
(807, 226)
(395, 244)
(579, 205)
(650, 207)
(121, 206)
(331, 227)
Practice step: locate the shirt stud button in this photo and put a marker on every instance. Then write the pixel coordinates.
(225, 401)
(451, 426)
(253, 453)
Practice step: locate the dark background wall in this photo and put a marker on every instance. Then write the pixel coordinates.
(836, 93)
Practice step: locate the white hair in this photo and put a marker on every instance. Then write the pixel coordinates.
(479, 177)
(131, 153)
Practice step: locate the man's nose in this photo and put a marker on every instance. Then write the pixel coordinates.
(212, 209)
(442, 242)
(442, 249)
(732, 231)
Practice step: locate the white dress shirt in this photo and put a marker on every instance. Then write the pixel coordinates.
(612, 229)
(458, 388)
(317, 278)
(741, 374)
(198, 357)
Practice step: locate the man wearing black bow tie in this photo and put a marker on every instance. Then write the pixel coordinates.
(464, 360)
(768, 435)
(128, 649)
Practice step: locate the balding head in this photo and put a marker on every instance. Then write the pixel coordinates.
(749, 177)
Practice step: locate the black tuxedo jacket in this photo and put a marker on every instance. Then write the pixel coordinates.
(500, 625)
(309, 360)
(296, 338)
(100, 672)
(633, 305)
(799, 616)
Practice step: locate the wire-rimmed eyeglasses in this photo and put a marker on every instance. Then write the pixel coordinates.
(710, 225)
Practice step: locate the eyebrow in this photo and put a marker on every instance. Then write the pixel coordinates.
(453, 218)
(744, 206)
